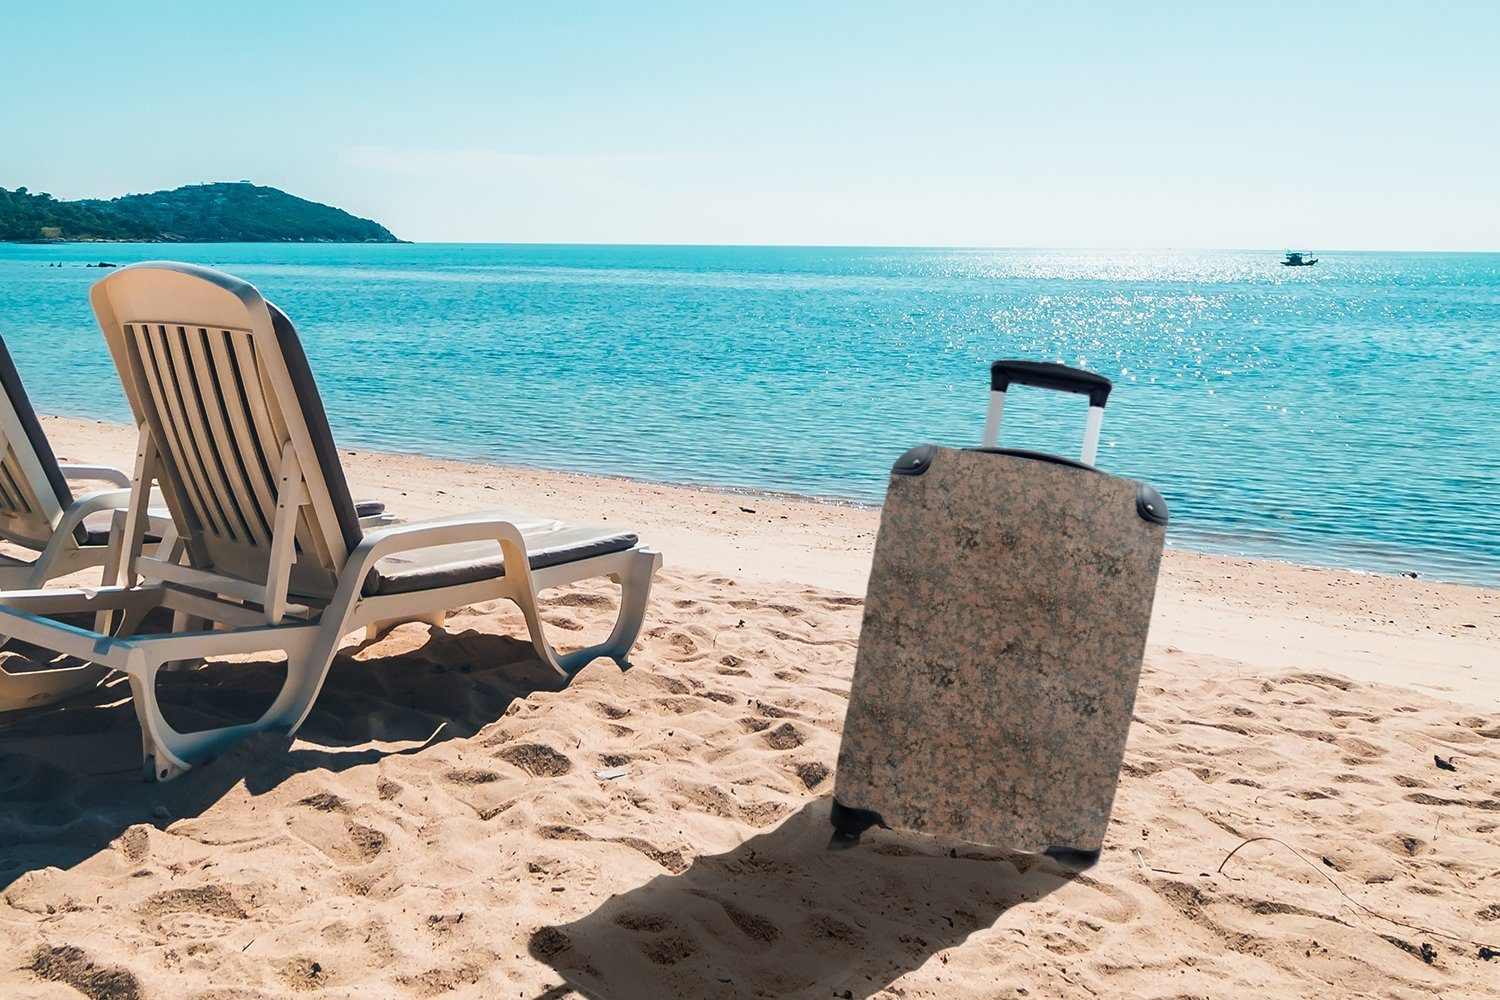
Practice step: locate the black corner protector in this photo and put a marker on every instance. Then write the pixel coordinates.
(1073, 857)
(849, 824)
(915, 461)
(1149, 504)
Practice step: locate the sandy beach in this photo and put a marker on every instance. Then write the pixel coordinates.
(1310, 802)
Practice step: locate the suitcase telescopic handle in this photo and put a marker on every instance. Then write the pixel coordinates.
(1047, 375)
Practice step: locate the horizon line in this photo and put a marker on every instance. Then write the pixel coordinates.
(746, 246)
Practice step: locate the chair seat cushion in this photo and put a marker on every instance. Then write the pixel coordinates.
(548, 543)
(96, 528)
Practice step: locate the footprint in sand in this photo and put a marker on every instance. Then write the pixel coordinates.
(333, 833)
(135, 843)
(754, 927)
(812, 773)
(671, 685)
(646, 923)
(680, 706)
(563, 620)
(836, 600)
(731, 667)
(709, 799)
(784, 737)
(205, 911)
(770, 711)
(536, 759)
(71, 966)
(324, 802)
(365, 842)
(440, 982)
(672, 861)
(583, 599)
(304, 974)
(763, 814)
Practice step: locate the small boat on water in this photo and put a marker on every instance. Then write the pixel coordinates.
(1296, 258)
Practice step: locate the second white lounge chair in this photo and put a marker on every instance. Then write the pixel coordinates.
(232, 428)
(54, 532)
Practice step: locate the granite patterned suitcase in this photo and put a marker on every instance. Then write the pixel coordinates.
(1003, 633)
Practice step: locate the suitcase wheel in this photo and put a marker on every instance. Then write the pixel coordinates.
(1072, 857)
(850, 823)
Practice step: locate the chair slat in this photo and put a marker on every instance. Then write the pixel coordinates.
(164, 396)
(242, 417)
(215, 484)
(225, 443)
(11, 496)
(265, 436)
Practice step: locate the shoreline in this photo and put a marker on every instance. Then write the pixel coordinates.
(1245, 615)
(779, 496)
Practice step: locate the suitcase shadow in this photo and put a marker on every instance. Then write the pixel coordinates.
(781, 915)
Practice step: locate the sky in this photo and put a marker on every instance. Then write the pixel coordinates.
(1324, 124)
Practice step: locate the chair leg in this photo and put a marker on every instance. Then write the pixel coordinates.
(377, 630)
(635, 592)
(184, 622)
(167, 753)
(38, 688)
(34, 689)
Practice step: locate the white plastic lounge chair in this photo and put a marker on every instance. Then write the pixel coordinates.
(233, 429)
(38, 511)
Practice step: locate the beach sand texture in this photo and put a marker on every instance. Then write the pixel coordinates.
(452, 821)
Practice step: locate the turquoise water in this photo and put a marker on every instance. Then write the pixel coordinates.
(1339, 415)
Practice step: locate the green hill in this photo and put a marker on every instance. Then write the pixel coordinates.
(199, 213)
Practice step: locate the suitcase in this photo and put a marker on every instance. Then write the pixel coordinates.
(1003, 633)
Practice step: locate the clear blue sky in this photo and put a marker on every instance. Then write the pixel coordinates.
(1216, 124)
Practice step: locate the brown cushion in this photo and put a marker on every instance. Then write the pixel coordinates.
(548, 543)
(96, 528)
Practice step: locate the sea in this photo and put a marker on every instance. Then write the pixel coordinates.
(1345, 414)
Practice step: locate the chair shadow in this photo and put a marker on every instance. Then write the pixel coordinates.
(70, 775)
(780, 915)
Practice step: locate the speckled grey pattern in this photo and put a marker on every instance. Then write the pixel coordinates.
(1003, 633)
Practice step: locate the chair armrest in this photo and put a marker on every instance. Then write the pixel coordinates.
(480, 527)
(92, 503)
(102, 473)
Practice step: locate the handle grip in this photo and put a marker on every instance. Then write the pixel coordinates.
(1048, 375)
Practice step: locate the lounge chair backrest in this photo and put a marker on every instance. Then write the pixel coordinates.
(33, 490)
(217, 377)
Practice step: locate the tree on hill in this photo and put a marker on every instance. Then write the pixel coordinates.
(200, 213)
(31, 217)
